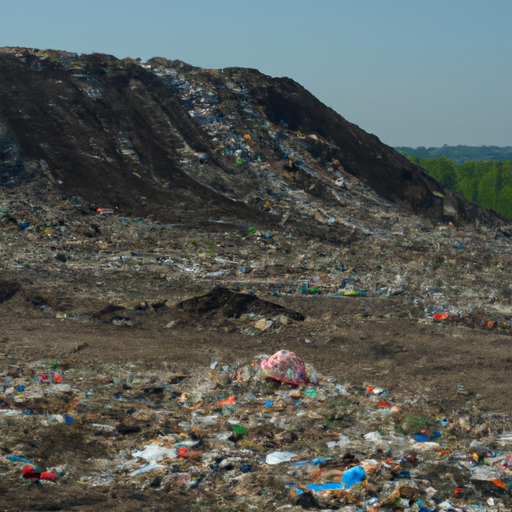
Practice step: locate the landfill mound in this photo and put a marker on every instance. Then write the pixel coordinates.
(184, 144)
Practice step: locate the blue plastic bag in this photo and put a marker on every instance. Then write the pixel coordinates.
(353, 476)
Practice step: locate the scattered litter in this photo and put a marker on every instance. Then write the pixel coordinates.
(278, 457)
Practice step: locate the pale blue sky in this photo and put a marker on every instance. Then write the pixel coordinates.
(411, 72)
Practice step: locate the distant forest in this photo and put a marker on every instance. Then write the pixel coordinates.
(486, 183)
(460, 153)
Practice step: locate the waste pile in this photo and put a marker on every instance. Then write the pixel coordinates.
(439, 272)
(320, 226)
(271, 432)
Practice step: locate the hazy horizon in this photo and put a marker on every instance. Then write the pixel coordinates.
(412, 74)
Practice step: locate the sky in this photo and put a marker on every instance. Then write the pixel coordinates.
(414, 73)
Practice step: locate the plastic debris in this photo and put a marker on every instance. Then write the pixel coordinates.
(146, 469)
(285, 366)
(155, 453)
(278, 457)
(353, 476)
(31, 472)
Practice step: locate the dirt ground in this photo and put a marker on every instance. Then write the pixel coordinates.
(349, 343)
(395, 353)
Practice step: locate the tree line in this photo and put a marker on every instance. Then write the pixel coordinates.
(486, 183)
(460, 153)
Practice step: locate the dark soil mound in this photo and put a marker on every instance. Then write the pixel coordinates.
(8, 290)
(224, 303)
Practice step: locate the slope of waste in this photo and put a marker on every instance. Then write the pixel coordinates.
(119, 168)
(172, 141)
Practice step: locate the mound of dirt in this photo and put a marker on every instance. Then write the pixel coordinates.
(8, 290)
(222, 303)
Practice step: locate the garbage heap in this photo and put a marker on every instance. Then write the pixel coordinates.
(270, 432)
(440, 273)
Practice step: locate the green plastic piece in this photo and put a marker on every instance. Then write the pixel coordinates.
(310, 392)
(238, 429)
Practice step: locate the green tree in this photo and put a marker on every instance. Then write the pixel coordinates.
(442, 169)
(486, 183)
(487, 189)
(504, 203)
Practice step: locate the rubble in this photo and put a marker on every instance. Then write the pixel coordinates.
(192, 439)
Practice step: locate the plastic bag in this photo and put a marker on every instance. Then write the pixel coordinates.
(285, 366)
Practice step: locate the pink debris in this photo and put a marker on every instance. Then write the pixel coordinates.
(285, 366)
